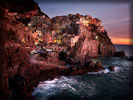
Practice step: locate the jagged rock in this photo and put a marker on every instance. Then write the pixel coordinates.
(130, 58)
(120, 54)
(98, 67)
(13, 52)
(21, 5)
(111, 68)
(93, 40)
(94, 48)
(91, 65)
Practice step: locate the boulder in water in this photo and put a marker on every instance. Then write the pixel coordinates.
(111, 68)
(90, 65)
(120, 54)
(98, 67)
(130, 58)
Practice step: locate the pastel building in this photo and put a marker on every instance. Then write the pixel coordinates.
(74, 40)
(39, 32)
(49, 38)
(97, 22)
(59, 39)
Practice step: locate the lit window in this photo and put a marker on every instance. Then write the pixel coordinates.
(96, 37)
(29, 24)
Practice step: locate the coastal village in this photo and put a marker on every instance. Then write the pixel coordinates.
(61, 30)
(63, 34)
(35, 47)
(64, 31)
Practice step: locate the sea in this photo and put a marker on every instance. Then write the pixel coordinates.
(104, 85)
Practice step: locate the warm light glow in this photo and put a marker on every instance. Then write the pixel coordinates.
(126, 41)
(29, 24)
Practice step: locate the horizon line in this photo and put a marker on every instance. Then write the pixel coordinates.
(122, 44)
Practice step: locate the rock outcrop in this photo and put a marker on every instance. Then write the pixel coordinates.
(14, 59)
(93, 39)
(120, 54)
(111, 68)
(95, 47)
(20, 6)
(95, 44)
(18, 75)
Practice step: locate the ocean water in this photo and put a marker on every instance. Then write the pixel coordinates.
(104, 85)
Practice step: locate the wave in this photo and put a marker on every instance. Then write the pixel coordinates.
(64, 84)
(105, 71)
(67, 85)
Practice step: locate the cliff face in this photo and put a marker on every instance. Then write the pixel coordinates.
(15, 44)
(17, 74)
(98, 45)
(93, 39)
(20, 6)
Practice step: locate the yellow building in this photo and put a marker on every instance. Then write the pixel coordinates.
(55, 41)
(59, 42)
(59, 39)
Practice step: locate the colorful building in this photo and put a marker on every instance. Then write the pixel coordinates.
(59, 39)
(39, 32)
(101, 29)
(74, 40)
(49, 38)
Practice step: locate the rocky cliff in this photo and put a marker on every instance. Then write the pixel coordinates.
(15, 44)
(102, 46)
(18, 75)
(93, 39)
(20, 6)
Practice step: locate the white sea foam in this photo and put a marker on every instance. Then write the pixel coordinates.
(105, 71)
(72, 85)
(100, 72)
(63, 84)
(117, 69)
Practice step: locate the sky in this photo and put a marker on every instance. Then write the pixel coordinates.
(115, 16)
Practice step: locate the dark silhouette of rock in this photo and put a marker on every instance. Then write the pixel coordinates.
(21, 5)
(63, 56)
(130, 58)
(120, 54)
(111, 68)
(90, 65)
(98, 67)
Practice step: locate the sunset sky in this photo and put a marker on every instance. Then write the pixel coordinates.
(115, 16)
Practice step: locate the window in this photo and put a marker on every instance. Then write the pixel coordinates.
(96, 37)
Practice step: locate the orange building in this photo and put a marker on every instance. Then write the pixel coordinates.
(50, 38)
